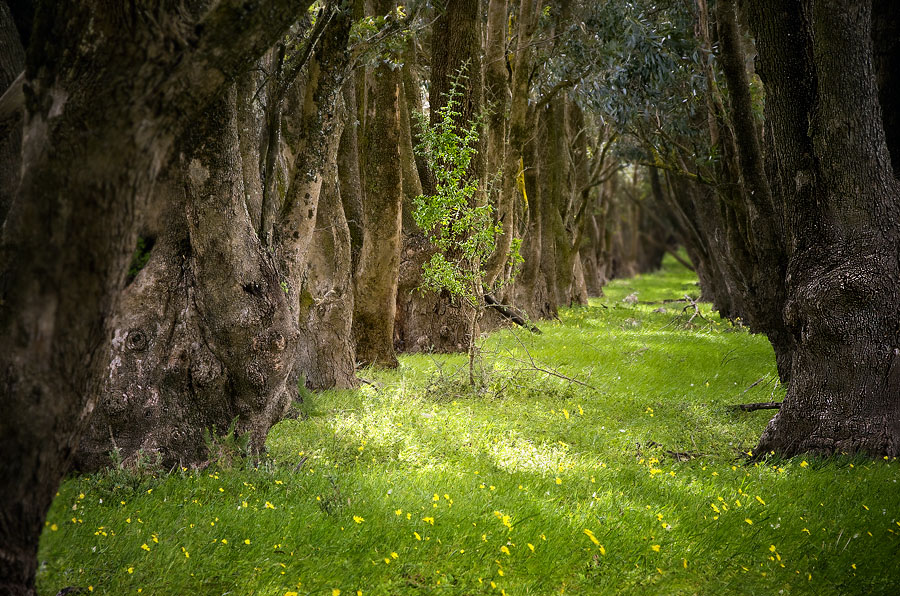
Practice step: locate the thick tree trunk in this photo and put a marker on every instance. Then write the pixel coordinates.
(207, 333)
(69, 236)
(376, 278)
(843, 213)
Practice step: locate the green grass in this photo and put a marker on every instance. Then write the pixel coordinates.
(415, 485)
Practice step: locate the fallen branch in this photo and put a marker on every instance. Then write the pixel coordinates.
(766, 405)
(693, 303)
(547, 371)
(676, 455)
(507, 313)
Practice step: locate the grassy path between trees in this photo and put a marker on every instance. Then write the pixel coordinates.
(537, 485)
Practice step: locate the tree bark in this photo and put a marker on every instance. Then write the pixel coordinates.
(207, 333)
(517, 132)
(12, 63)
(842, 215)
(133, 79)
(377, 276)
(433, 321)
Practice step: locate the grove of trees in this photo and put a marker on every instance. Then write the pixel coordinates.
(206, 204)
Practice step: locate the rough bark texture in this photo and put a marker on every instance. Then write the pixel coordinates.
(348, 171)
(517, 132)
(377, 275)
(327, 358)
(133, 76)
(531, 291)
(12, 62)
(841, 208)
(207, 333)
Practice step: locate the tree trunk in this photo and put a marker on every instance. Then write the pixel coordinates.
(435, 321)
(69, 236)
(376, 278)
(348, 172)
(12, 63)
(843, 274)
(532, 293)
(327, 357)
(207, 332)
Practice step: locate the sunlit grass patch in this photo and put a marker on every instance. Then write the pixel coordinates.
(634, 482)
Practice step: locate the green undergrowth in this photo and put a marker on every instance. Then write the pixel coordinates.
(600, 457)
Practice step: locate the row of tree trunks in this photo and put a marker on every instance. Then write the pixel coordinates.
(217, 327)
(800, 239)
(134, 77)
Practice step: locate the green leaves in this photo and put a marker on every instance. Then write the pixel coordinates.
(462, 231)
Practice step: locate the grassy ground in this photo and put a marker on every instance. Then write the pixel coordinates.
(637, 484)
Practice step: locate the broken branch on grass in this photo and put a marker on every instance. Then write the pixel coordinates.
(509, 314)
(547, 371)
(766, 405)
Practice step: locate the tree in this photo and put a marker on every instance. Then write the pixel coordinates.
(434, 321)
(460, 228)
(377, 273)
(209, 330)
(69, 235)
(840, 201)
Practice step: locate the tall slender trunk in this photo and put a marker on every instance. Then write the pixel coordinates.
(378, 272)
(512, 155)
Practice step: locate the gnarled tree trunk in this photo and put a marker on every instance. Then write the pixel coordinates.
(842, 212)
(134, 77)
(208, 331)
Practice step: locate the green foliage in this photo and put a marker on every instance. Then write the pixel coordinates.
(228, 449)
(461, 230)
(643, 463)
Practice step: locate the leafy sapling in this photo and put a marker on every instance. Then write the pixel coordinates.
(456, 219)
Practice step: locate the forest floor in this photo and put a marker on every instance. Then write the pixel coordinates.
(634, 482)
